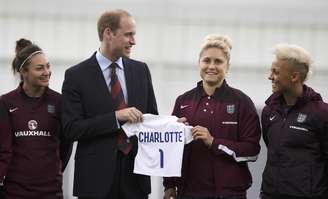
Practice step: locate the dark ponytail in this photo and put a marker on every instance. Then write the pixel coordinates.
(24, 49)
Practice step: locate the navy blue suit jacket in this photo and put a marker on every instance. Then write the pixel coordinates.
(89, 118)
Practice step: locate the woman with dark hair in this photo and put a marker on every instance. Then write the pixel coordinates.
(33, 154)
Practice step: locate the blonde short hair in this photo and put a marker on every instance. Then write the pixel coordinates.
(297, 56)
(222, 42)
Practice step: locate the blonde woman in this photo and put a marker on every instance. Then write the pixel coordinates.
(295, 128)
(226, 131)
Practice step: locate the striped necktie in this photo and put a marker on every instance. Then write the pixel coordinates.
(123, 143)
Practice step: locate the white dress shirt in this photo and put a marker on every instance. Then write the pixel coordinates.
(104, 64)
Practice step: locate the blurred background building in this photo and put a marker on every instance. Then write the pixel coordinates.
(169, 35)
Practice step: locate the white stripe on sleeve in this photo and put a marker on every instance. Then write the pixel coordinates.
(233, 154)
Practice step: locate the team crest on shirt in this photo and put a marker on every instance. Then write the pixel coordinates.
(301, 117)
(51, 108)
(230, 108)
(32, 124)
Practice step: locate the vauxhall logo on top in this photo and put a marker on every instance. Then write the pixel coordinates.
(32, 126)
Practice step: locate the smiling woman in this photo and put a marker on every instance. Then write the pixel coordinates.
(33, 154)
(226, 132)
(33, 66)
(214, 61)
(294, 127)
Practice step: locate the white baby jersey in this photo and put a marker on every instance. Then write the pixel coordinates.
(161, 140)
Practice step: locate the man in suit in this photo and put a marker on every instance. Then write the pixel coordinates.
(99, 95)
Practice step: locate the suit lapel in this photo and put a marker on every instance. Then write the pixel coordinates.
(129, 79)
(98, 81)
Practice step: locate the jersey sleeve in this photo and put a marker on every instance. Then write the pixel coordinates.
(130, 129)
(5, 141)
(188, 134)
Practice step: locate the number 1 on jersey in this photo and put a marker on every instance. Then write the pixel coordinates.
(161, 158)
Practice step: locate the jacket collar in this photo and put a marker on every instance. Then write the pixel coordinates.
(277, 99)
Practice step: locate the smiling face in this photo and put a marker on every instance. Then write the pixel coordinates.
(281, 76)
(213, 66)
(121, 41)
(37, 73)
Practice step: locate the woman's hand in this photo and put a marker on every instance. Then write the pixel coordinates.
(202, 133)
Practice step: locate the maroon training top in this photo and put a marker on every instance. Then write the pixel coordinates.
(221, 170)
(32, 153)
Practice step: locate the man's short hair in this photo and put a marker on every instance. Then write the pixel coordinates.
(110, 19)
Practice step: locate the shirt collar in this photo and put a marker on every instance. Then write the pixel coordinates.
(217, 92)
(104, 62)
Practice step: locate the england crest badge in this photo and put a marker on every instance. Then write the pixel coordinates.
(51, 108)
(230, 108)
(301, 118)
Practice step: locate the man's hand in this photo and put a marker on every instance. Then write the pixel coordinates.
(170, 193)
(130, 114)
(202, 133)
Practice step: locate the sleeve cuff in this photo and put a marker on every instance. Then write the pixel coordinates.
(117, 122)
